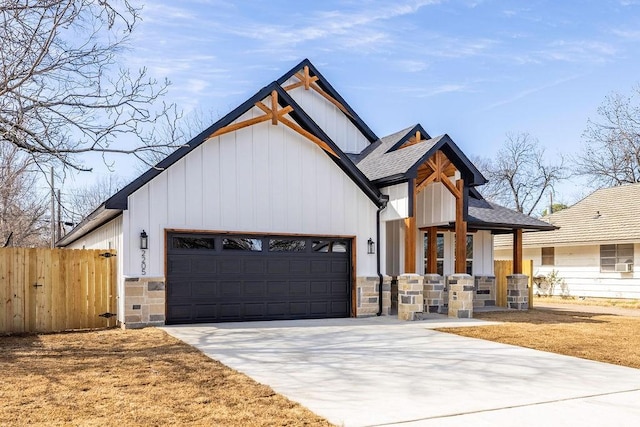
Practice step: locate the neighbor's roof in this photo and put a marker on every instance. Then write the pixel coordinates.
(607, 215)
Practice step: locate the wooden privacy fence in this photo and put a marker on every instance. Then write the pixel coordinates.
(502, 269)
(46, 290)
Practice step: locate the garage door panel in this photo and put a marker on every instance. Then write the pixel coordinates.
(278, 266)
(272, 281)
(298, 288)
(278, 289)
(254, 266)
(299, 266)
(254, 310)
(339, 266)
(229, 289)
(229, 311)
(277, 309)
(253, 289)
(320, 287)
(320, 266)
(230, 265)
(319, 307)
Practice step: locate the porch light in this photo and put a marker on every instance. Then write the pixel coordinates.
(371, 246)
(144, 240)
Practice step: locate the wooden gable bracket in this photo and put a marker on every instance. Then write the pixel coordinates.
(309, 82)
(275, 116)
(412, 141)
(438, 163)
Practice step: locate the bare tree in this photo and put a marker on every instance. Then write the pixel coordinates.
(84, 200)
(611, 152)
(22, 209)
(519, 176)
(62, 92)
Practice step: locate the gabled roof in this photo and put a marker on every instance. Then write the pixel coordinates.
(326, 86)
(608, 215)
(490, 216)
(385, 163)
(119, 200)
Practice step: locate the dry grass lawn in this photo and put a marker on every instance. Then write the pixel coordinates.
(605, 338)
(126, 378)
(603, 302)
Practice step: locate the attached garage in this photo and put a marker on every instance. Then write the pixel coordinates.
(232, 278)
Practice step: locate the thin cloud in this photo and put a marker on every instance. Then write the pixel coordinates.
(527, 92)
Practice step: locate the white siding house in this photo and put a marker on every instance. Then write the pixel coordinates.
(291, 207)
(596, 249)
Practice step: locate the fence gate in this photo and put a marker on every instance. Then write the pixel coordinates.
(504, 268)
(46, 290)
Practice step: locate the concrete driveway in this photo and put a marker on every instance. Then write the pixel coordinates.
(380, 371)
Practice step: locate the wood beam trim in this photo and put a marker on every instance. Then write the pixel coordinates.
(330, 99)
(274, 107)
(428, 180)
(461, 232)
(268, 111)
(306, 77)
(308, 135)
(240, 125)
(517, 251)
(452, 188)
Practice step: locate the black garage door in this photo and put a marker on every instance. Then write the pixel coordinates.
(230, 278)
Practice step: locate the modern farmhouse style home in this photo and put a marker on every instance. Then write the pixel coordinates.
(290, 207)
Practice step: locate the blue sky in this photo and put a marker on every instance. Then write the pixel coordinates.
(471, 68)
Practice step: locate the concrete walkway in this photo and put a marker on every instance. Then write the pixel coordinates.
(380, 371)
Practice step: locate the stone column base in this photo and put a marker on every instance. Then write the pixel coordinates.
(410, 296)
(518, 292)
(433, 293)
(461, 290)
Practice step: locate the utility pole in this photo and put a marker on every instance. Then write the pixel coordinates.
(53, 212)
(59, 222)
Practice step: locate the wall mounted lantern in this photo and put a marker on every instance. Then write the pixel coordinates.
(144, 240)
(371, 246)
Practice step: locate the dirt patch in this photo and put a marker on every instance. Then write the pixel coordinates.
(605, 338)
(134, 377)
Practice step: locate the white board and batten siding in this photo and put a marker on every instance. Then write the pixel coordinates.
(435, 205)
(398, 204)
(262, 178)
(579, 266)
(330, 118)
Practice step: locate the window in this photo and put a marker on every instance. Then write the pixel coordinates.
(469, 254)
(193, 242)
(286, 245)
(329, 246)
(610, 255)
(439, 253)
(241, 244)
(548, 256)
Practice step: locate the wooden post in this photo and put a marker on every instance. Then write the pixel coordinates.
(432, 250)
(461, 231)
(410, 234)
(517, 251)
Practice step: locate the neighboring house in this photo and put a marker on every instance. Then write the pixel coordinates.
(291, 207)
(594, 251)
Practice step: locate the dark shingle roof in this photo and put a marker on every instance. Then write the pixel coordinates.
(490, 215)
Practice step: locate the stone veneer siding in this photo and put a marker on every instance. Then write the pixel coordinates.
(367, 296)
(485, 294)
(433, 293)
(144, 299)
(410, 296)
(518, 292)
(461, 292)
